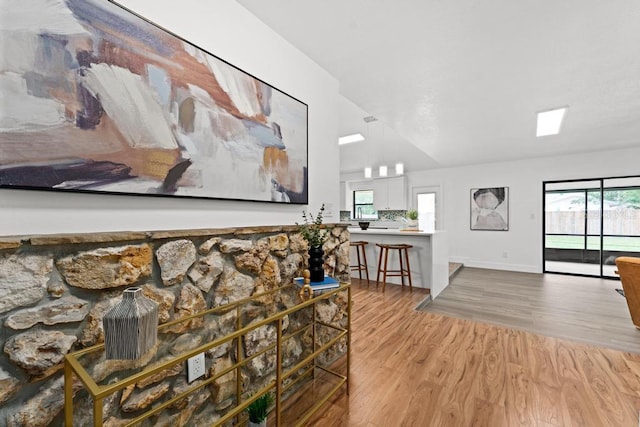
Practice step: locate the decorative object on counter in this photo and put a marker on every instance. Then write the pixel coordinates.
(131, 326)
(363, 224)
(412, 219)
(315, 234)
(327, 283)
(490, 209)
(258, 410)
(306, 291)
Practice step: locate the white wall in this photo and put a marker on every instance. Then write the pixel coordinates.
(226, 29)
(523, 242)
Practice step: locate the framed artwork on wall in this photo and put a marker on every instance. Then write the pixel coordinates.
(96, 98)
(490, 208)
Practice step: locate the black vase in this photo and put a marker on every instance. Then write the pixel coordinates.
(316, 263)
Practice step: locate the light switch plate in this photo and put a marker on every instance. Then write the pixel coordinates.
(195, 367)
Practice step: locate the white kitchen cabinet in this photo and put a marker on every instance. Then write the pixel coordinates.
(390, 193)
(397, 193)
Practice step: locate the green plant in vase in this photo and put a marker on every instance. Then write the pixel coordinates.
(258, 410)
(315, 234)
(412, 219)
(412, 214)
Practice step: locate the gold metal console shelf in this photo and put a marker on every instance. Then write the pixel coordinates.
(97, 375)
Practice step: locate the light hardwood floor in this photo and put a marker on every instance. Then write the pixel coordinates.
(412, 368)
(583, 309)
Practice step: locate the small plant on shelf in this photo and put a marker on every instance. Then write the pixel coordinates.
(412, 214)
(258, 410)
(312, 229)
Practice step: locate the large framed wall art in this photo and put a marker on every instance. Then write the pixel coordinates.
(490, 208)
(96, 98)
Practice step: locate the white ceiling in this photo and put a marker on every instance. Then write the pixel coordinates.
(460, 81)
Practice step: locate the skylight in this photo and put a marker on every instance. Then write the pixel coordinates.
(550, 122)
(348, 139)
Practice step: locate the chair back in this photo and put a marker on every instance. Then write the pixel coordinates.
(629, 271)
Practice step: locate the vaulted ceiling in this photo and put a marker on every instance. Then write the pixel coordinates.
(460, 82)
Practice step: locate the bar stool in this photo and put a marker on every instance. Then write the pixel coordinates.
(362, 262)
(402, 273)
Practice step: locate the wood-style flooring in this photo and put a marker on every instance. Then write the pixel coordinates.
(412, 368)
(583, 309)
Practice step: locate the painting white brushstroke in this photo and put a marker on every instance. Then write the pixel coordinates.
(98, 99)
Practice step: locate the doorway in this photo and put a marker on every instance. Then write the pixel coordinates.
(589, 223)
(428, 201)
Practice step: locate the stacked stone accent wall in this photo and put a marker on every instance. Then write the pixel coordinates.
(54, 291)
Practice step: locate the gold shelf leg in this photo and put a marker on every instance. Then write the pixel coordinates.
(238, 360)
(313, 336)
(348, 336)
(97, 412)
(68, 394)
(279, 372)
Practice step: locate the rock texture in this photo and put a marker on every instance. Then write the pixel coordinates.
(141, 400)
(174, 259)
(257, 340)
(233, 286)
(162, 375)
(206, 247)
(224, 387)
(207, 271)
(164, 298)
(107, 267)
(40, 410)
(230, 246)
(190, 302)
(38, 351)
(66, 310)
(9, 385)
(23, 280)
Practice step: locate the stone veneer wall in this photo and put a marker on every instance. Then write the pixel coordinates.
(54, 291)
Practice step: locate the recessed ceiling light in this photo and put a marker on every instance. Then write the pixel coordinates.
(549, 122)
(348, 139)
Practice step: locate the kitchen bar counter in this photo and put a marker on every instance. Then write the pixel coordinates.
(429, 257)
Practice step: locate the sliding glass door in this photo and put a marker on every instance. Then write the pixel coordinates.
(621, 223)
(589, 223)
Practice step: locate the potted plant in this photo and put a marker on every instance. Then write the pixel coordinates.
(315, 234)
(259, 409)
(412, 219)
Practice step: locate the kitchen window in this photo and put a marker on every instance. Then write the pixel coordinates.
(363, 205)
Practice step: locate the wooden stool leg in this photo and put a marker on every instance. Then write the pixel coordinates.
(384, 275)
(379, 267)
(359, 268)
(401, 267)
(406, 254)
(366, 267)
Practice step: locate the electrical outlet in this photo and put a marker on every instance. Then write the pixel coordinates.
(195, 367)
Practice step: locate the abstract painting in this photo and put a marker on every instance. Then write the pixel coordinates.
(95, 98)
(490, 208)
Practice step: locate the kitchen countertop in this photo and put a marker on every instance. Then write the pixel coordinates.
(390, 231)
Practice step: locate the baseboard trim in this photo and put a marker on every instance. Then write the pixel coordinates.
(522, 268)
